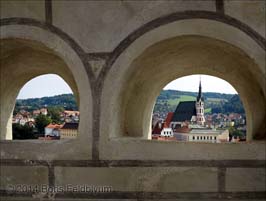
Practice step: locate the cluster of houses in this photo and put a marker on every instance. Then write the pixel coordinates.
(23, 116)
(68, 130)
(223, 120)
(188, 123)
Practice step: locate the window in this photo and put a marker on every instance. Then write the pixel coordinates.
(168, 107)
(43, 106)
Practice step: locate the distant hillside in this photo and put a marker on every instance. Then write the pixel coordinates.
(66, 101)
(166, 102)
(214, 102)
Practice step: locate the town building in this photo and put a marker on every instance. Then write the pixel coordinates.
(203, 135)
(23, 118)
(69, 131)
(53, 130)
(70, 116)
(167, 132)
(43, 111)
(163, 128)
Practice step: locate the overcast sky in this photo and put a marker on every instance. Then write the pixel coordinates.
(51, 84)
(44, 85)
(208, 83)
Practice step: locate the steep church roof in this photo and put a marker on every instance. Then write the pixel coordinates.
(184, 111)
(168, 119)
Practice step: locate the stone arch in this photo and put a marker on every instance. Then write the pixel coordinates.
(185, 16)
(169, 52)
(31, 52)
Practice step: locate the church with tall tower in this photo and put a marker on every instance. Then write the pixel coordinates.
(189, 112)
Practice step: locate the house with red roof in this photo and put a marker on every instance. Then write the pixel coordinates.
(53, 130)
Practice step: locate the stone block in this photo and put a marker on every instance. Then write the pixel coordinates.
(245, 179)
(148, 179)
(23, 178)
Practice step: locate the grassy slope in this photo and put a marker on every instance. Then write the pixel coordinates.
(182, 98)
(174, 102)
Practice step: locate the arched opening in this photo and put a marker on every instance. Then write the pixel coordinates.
(199, 105)
(23, 60)
(45, 108)
(173, 58)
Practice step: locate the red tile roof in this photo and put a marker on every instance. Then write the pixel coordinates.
(183, 129)
(168, 120)
(157, 129)
(54, 126)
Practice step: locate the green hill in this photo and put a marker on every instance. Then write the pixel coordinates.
(66, 101)
(166, 102)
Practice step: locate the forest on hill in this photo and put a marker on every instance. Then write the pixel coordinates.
(166, 102)
(65, 101)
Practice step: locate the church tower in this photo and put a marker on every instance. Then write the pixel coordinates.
(200, 107)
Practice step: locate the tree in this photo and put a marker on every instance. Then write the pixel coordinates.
(41, 122)
(236, 133)
(54, 114)
(22, 132)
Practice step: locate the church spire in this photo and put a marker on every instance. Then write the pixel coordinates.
(200, 107)
(199, 94)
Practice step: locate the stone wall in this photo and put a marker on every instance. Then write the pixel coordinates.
(117, 56)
